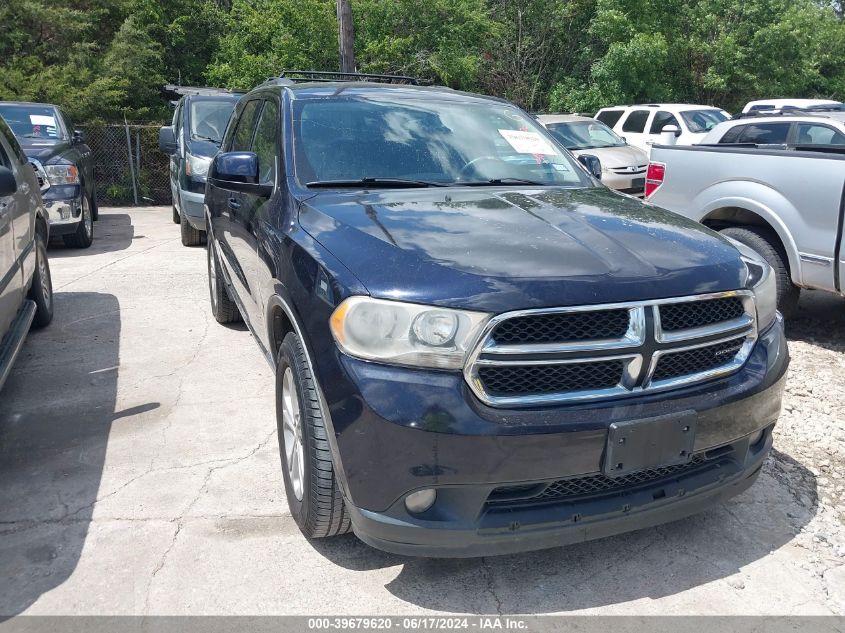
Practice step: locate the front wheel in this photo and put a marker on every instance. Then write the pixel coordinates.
(311, 487)
(190, 235)
(766, 245)
(41, 290)
(222, 307)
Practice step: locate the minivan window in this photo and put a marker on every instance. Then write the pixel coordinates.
(636, 121)
(699, 121)
(242, 139)
(209, 119)
(350, 138)
(610, 117)
(265, 143)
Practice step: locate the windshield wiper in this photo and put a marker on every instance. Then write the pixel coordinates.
(200, 137)
(374, 182)
(502, 181)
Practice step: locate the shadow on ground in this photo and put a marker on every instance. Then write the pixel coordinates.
(56, 412)
(820, 320)
(647, 564)
(112, 232)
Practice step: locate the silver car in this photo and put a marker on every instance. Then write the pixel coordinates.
(623, 166)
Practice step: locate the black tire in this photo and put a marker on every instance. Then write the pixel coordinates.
(41, 290)
(176, 218)
(320, 512)
(83, 237)
(764, 242)
(190, 235)
(222, 307)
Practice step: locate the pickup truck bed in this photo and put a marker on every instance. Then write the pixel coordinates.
(794, 200)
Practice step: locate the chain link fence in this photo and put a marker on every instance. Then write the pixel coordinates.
(128, 167)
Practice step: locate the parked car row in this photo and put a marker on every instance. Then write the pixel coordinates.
(479, 348)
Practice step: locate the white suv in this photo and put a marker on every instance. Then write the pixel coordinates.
(641, 125)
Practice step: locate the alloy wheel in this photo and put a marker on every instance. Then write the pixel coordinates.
(292, 426)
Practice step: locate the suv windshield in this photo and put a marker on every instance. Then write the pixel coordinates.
(209, 119)
(702, 120)
(585, 135)
(32, 121)
(348, 140)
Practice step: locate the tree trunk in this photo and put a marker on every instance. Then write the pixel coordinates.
(345, 36)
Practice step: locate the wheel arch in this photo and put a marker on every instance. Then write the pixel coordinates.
(745, 213)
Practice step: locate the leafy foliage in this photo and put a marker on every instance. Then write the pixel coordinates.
(106, 59)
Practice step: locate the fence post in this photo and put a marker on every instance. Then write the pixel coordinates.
(131, 161)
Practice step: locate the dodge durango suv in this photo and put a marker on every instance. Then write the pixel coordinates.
(479, 348)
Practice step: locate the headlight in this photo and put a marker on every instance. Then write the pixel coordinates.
(197, 166)
(62, 174)
(760, 279)
(405, 333)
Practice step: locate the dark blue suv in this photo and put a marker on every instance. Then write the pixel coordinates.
(479, 348)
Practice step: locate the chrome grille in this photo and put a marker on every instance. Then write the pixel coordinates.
(627, 171)
(563, 327)
(40, 174)
(553, 355)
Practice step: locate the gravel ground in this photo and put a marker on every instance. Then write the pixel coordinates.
(809, 456)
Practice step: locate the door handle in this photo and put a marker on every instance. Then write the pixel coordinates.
(234, 203)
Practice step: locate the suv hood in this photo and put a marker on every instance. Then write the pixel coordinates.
(43, 150)
(499, 249)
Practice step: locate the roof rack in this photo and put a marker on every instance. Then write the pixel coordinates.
(330, 76)
(199, 90)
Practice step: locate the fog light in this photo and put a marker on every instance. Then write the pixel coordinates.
(421, 500)
(757, 437)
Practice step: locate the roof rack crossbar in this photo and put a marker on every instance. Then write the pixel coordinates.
(331, 76)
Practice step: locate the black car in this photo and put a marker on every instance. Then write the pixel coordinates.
(479, 348)
(63, 164)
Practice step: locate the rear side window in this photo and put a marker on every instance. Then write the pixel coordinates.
(636, 121)
(661, 120)
(242, 139)
(732, 135)
(265, 144)
(610, 117)
(815, 134)
(763, 134)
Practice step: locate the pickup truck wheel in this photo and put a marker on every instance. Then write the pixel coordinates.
(764, 243)
(84, 234)
(95, 206)
(222, 307)
(190, 235)
(41, 290)
(307, 469)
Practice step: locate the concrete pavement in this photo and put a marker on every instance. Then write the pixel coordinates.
(139, 473)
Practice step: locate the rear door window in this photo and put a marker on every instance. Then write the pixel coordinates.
(661, 120)
(636, 121)
(764, 133)
(610, 117)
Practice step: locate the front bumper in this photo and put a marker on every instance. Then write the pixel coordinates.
(192, 205)
(625, 183)
(64, 208)
(400, 430)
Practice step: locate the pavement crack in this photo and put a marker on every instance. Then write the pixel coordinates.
(490, 586)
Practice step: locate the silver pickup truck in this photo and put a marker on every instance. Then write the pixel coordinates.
(788, 205)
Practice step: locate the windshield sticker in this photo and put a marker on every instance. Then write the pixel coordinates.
(528, 142)
(39, 119)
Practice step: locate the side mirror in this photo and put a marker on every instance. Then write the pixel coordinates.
(669, 134)
(8, 184)
(167, 140)
(592, 163)
(235, 167)
(78, 137)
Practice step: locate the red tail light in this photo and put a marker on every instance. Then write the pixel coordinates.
(654, 177)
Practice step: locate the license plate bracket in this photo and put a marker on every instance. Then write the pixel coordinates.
(638, 183)
(635, 445)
